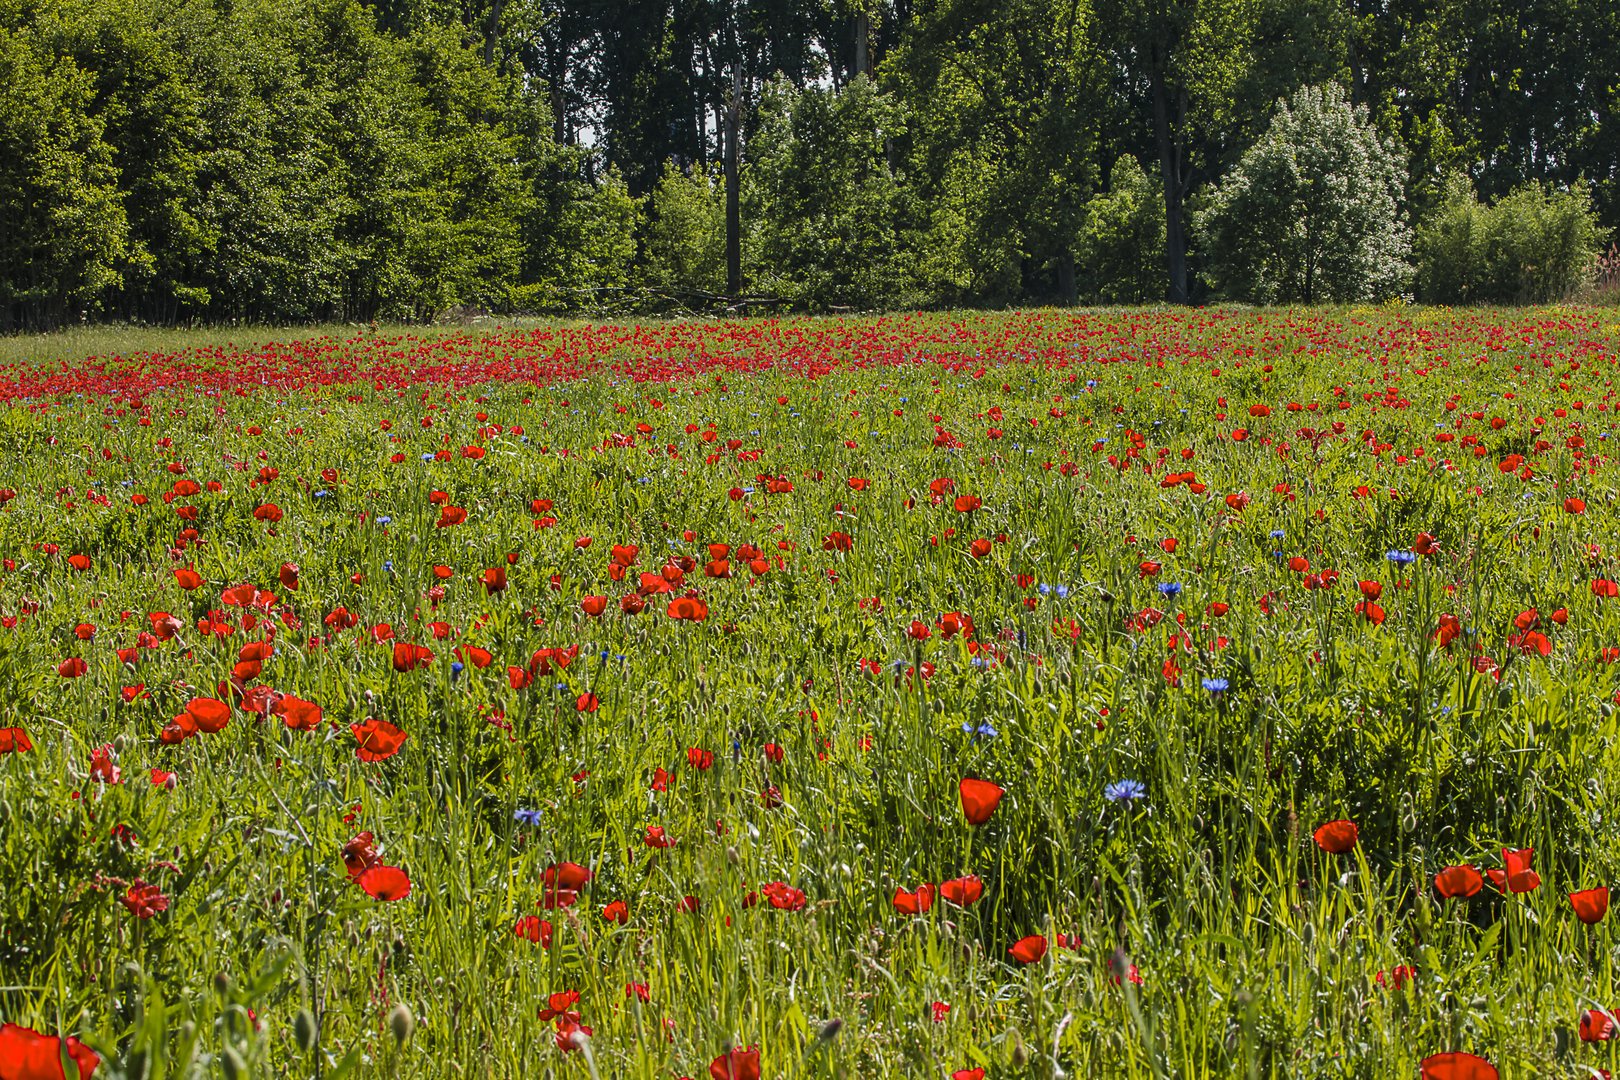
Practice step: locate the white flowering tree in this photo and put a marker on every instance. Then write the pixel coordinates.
(1312, 213)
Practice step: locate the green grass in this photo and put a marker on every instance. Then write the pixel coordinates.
(1259, 954)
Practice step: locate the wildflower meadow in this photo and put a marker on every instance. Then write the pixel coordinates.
(1195, 693)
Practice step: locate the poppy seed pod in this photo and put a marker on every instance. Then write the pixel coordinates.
(304, 1030)
(401, 1023)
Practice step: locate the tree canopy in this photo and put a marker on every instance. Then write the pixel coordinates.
(215, 160)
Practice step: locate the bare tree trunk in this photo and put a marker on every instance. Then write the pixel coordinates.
(1175, 236)
(733, 202)
(863, 35)
(492, 31)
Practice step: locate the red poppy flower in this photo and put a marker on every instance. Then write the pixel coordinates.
(1029, 950)
(25, 1054)
(72, 668)
(1597, 1025)
(79, 562)
(1516, 876)
(562, 882)
(360, 855)
(962, 891)
(162, 779)
(205, 714)
(409, 657)
(378, 739)
(979, 799)
(296, 713)
(534, 928)
(837, 541)
(560, 1004)
(968, 1074)
(736, 1065)
(700, 759)
(1590, 904)
(1573, 505)
(688, 607)
(450, 515)
(593, 605)
(385, 883)
(14, 740)
(102, 768)
(783, 896)
(914, 903)
(188, 579)
(288, 576)
(656, 838)
(617, 912)
(143, 901)
(1457, 1066)
(1456, 881)
(1336, 837)
(494, 579)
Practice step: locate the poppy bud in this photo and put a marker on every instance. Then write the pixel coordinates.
(402, 1023)
(731, 855)
(231, 1064)
(304, 1030)
(222, 984)
(1020, 1052)
(830, 1029)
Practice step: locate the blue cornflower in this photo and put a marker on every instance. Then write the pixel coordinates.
(1277, 534)
(1215, 686)
(384, 520)
(980, 729)
(1124, 791)
(1062, 592)
(1169, 588)
(527, 817)
(427, 457)
(321, 494)
(456, 668)
(1044, 590)
(388, 565)
(1401, 557)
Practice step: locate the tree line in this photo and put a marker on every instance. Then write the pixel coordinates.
(286, 160)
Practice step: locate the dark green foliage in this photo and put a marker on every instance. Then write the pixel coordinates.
(306, 160)
(1534, 246)
(829, 211)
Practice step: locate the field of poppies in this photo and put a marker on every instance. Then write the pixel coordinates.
(1157, 694)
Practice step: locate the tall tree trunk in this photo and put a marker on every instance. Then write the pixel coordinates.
(733, 202)
(1175, 236)
(492, 31)
(863, 35)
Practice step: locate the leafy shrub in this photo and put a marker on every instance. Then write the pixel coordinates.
(1121, 250)
(1312, 212)
(1534, 246)
(684, 249)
